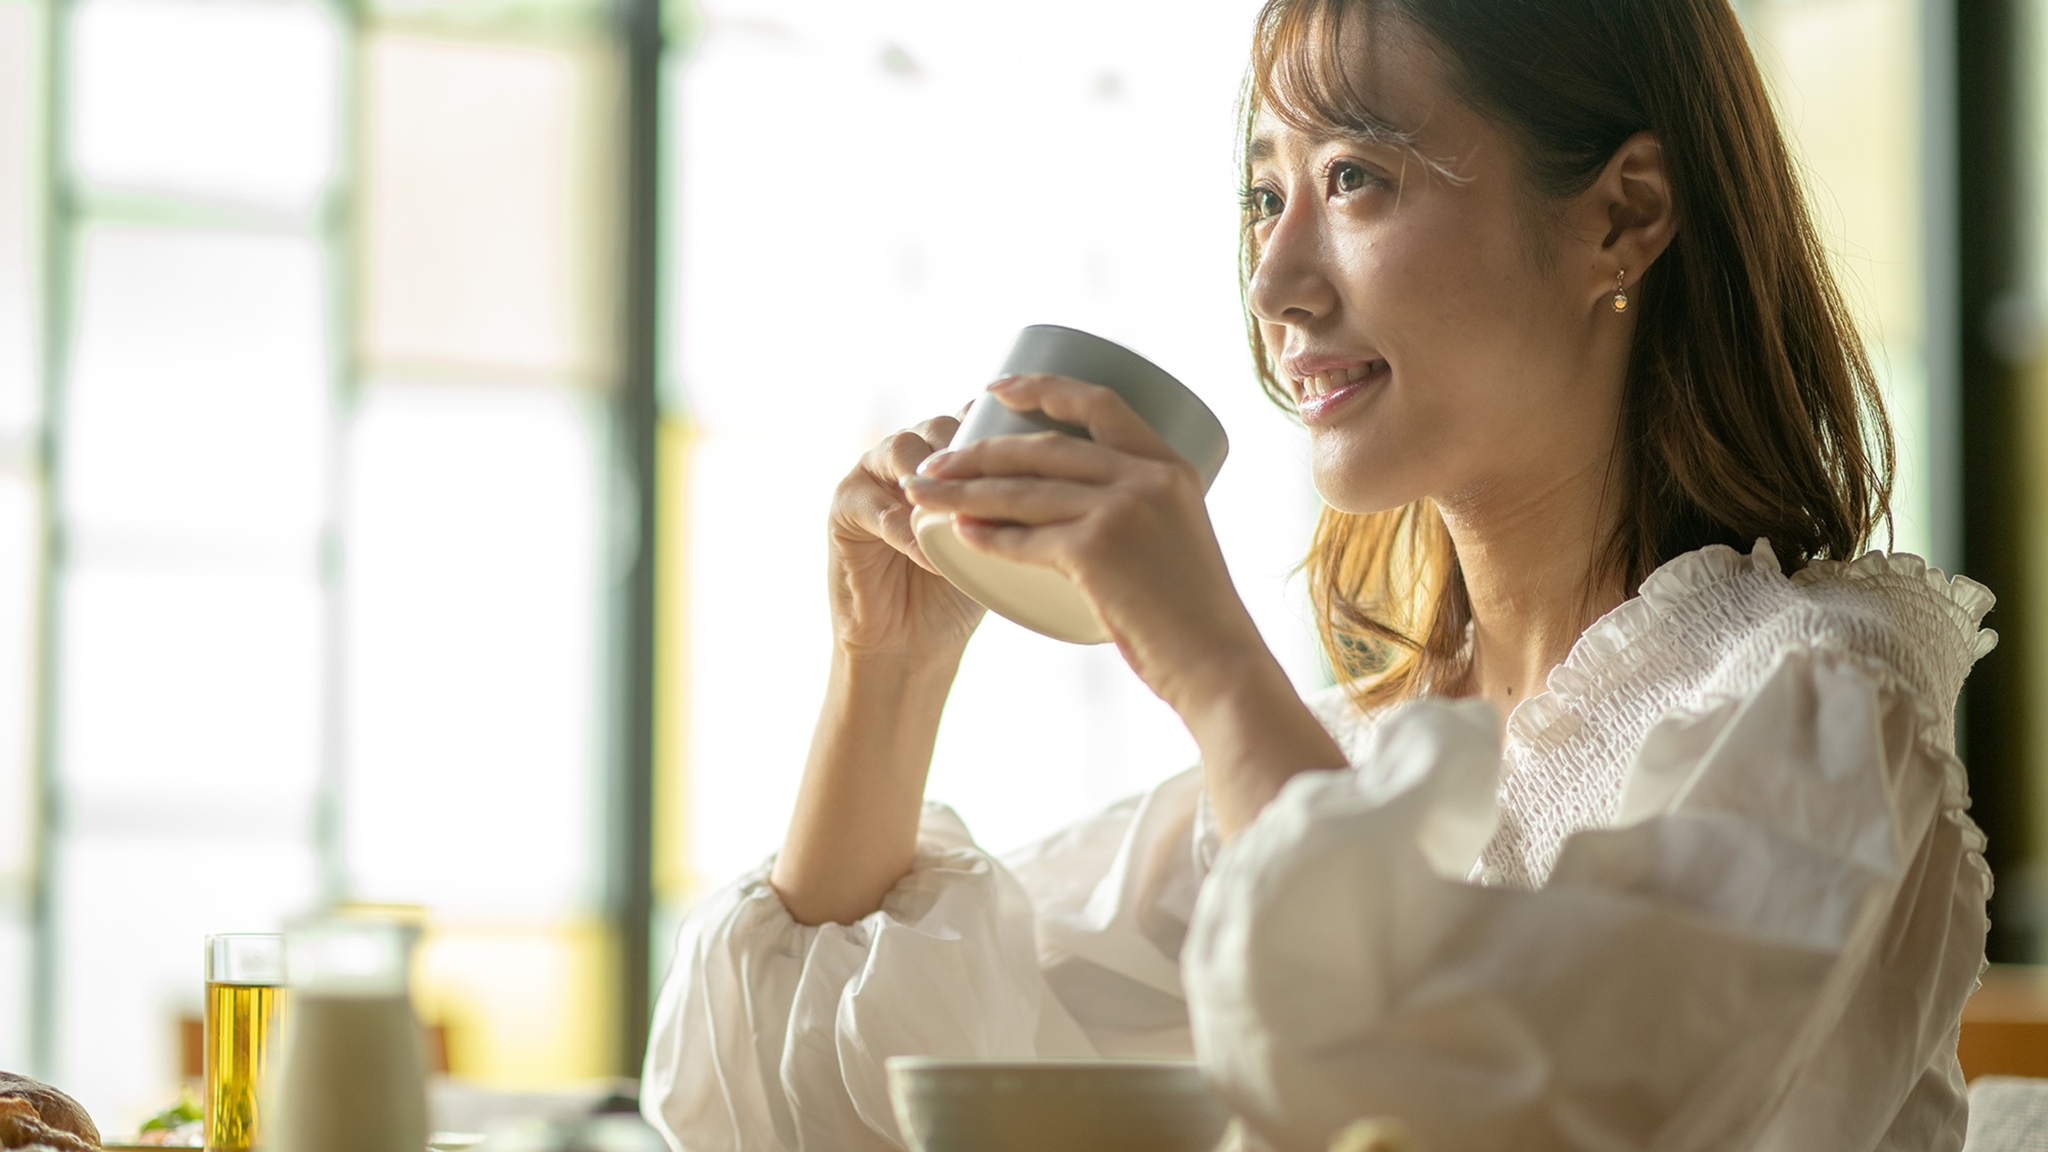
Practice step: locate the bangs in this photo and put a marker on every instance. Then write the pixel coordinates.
(1307, 57)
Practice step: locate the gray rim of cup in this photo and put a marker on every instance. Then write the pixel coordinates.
(1170, 407)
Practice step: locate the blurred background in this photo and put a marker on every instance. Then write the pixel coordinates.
(417, 419)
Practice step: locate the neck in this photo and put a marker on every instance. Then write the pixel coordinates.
(1531, 558)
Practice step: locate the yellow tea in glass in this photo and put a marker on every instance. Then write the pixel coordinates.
(244, 997)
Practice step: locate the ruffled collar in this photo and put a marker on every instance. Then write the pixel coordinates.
(1616, 645)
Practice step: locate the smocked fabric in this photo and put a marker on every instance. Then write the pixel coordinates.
(1707, 626)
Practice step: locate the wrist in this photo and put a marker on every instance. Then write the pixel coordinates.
(1224, 669)
(1224, 707)
(893, 670)
(853, 834)
(890, 699)
(1255, 734)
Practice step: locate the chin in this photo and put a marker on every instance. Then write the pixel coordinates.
(1349, 495)
(1355, 479)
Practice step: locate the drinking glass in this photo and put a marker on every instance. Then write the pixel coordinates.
(244, 999)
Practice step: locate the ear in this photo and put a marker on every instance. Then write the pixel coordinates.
(1628, 210)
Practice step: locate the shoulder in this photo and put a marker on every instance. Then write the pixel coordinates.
(1892, 612)
(1716, 623)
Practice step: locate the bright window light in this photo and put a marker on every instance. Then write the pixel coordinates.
(199, 389)
(224, 100)
(486, 188)
(20, 551)
(1859, 145)
(190, 697)
(17, 951)
(20, 217)
(474, 748)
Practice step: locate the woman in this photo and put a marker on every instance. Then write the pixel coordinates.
(1652, 832)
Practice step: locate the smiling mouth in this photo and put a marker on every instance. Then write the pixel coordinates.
(1323, 392)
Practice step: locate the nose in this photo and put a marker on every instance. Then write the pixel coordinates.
(1291, 283)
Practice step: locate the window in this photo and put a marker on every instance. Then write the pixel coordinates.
(1846, 75)
(329, 603)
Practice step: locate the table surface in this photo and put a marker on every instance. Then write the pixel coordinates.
(2005, 1024)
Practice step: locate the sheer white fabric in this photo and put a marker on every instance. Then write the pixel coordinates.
(1719, 890)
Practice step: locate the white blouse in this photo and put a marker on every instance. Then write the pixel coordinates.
(1718, 891)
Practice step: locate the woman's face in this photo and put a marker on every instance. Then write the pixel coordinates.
(1434, 327)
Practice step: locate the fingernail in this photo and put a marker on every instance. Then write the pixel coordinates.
(933, 463)
(1005, 383)
(913, 480)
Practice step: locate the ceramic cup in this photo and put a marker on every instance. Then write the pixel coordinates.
(1040, 598)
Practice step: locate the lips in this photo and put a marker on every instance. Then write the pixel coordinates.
(1322, 391)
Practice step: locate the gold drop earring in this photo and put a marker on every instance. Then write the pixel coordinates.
(1621, 290)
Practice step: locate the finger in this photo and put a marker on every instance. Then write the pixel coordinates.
(1050, 454)
(939, 430)
(1039, 544)
(1017, 499)
(1106, 415)
(894, 527)
(896, 456)
(881, 511)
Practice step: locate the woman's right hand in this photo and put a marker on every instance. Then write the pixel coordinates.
(886, 596)
(901, 628)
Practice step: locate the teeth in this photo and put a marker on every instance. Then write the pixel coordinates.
(1323, 382)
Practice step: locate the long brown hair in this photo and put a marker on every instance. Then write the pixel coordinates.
(1750, 409)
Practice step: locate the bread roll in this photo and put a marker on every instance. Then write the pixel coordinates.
(34, 1114)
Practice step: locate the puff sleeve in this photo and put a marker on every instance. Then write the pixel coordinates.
(1768, 948)
(770, 1035)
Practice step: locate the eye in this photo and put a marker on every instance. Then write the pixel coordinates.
(1262, 203)
(1346, 176)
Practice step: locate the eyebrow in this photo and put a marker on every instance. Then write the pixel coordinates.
(1381, 134)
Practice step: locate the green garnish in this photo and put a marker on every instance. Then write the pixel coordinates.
(185, 1111)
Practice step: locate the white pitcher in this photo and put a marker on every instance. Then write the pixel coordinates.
(354, 1076)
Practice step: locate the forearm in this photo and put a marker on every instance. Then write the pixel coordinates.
(1255, 734)
(854, 831)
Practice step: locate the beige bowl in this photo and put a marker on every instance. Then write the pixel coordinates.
(1054, 1106)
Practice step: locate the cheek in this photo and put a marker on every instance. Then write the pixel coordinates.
(1451, 314)
(1438, 297)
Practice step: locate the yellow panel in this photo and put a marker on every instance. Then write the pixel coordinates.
(524, 1005)
(488, 180)
(2032, 595)
(673, 882)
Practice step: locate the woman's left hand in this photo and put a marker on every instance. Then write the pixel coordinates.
(1120, 515)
